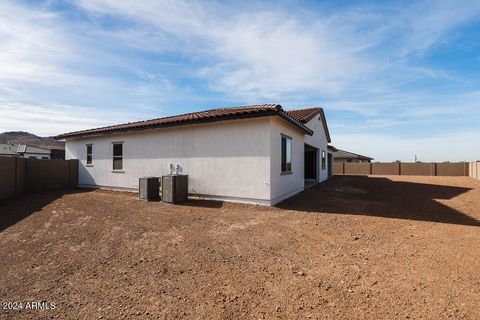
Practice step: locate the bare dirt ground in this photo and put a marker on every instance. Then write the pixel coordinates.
(350, 248)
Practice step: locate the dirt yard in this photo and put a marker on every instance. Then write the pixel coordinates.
(350, 248)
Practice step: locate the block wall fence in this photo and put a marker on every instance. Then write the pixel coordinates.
(475, 169)
(20, 175)
(404, 169)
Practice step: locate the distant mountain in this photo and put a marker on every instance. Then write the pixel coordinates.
(20, 137)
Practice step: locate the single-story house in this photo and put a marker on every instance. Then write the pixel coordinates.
(31, 152)
(24, 151)
(257, 154)
(8, 150)
(342, 156)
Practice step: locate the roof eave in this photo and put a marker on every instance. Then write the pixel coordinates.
(278, 112)
(323, 118)
(296, 123)
(332, 148)
(310, 117)
(325, 125)
(166, 125)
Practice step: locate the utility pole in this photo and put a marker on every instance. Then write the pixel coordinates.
(416, 158)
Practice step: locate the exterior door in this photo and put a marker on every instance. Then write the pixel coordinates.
(311, 164)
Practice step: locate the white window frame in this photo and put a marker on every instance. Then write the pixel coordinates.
(89, 154)
(117, 157)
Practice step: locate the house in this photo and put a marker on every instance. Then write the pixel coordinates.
(331, 159)
(342, 156)
(31, 152)
(24, 151)
(257, 154)
(8, 150)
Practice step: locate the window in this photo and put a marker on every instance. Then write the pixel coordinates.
(117, 156)
(286, 154)
(44, 158)
(89, 153)
(324, 160)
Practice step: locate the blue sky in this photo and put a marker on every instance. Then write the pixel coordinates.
(396, 79)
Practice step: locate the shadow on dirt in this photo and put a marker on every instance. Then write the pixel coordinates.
(16, 209)
(202, 203)
(381, 197)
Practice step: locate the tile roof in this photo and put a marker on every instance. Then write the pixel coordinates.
(25, 148)
(305, 115)
(196, 117)
(342, 154)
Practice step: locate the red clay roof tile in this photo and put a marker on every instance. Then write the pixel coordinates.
(196, 117)
(304, 115)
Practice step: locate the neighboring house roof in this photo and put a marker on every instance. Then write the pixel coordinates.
(305, 115)
(220, 114)
(23, 148)
(7, 149)
(332, 148)
(342, 154)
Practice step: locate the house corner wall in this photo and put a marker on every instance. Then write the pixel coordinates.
(319, 141)
(283, 186)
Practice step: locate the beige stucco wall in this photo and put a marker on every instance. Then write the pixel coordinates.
(318, 140)
(228, 160)
(285, 185)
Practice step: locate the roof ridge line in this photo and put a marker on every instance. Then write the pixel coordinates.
(202, 116)
(305, 109)
(176, 115)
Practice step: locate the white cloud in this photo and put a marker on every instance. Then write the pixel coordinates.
(31, 49)
(356, 59)
(54, 119)
(427, 23)
(47, 62)
(253, 55)
(282, 54)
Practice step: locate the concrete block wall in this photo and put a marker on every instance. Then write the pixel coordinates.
(404, 169)
(474, 169)
(7, 177)
(19, 175)
(417, 169)
(358, 168)
(339, 169)
(452, 169)
(386, 169)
